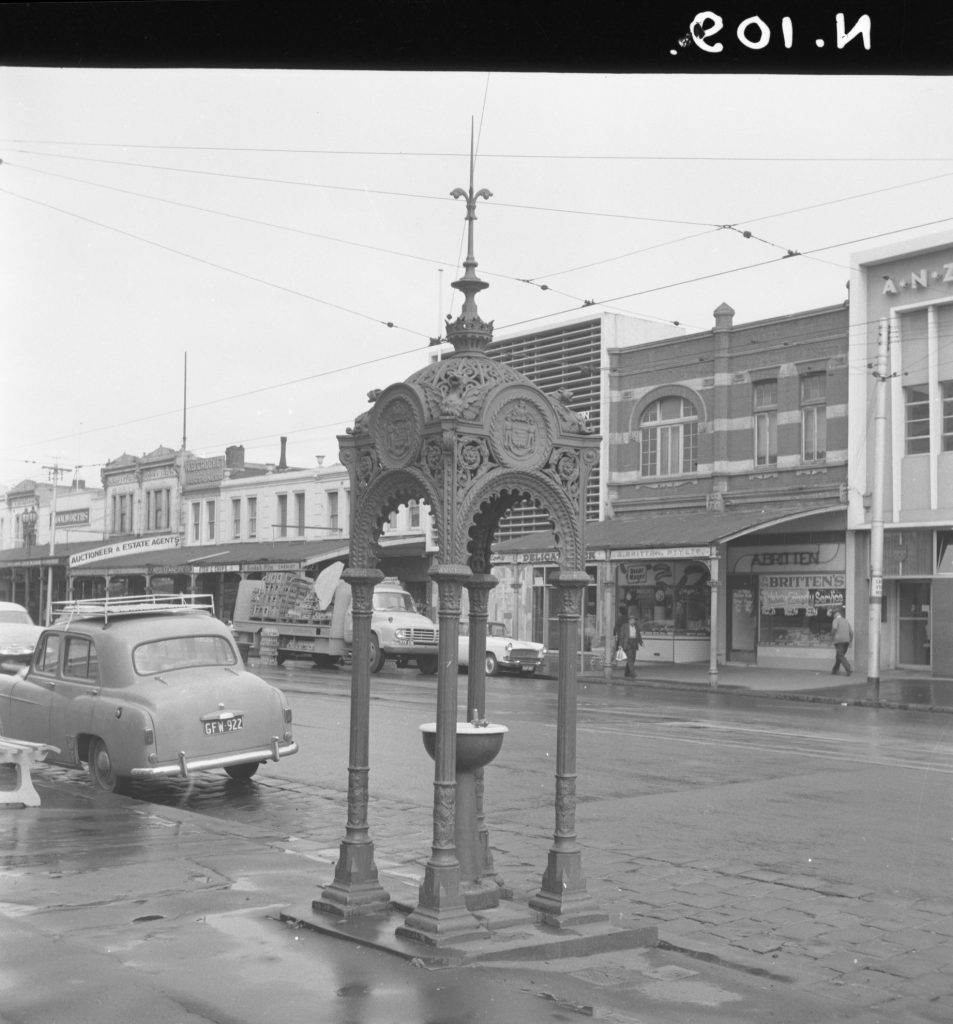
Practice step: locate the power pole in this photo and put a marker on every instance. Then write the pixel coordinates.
(875, 607)
(55, 471)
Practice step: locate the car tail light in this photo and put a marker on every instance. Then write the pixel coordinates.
(288, 715)
(149, 737)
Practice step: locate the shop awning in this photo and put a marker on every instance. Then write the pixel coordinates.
(683, 529)
(238, 557)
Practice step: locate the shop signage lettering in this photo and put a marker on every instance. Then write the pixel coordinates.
(125, 547)
(161, 473)
(73, 517)
(819, 582)
(122, 478)
(205, 471)
(24, 502)
(651, 553)
(786, 558)
(921, 278)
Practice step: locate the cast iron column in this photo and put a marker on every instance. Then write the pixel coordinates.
(563, 900)
(478, 589)
(441, 913)
(356, 888)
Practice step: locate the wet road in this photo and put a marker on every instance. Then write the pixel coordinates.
(872, 784)
(805, 845)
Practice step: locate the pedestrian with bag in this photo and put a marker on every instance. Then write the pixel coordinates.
(842, 635)
(628, 639)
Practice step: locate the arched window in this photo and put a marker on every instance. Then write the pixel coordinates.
(669, 436)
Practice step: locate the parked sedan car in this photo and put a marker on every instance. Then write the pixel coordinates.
(18, 636)
(140, 688)
(502, 651)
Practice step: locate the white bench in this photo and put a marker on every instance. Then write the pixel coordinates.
(22, 754)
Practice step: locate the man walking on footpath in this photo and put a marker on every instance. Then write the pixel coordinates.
(628, 636)
(842, 635)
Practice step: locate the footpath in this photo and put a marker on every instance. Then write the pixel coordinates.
(114, 909)
(897, 689)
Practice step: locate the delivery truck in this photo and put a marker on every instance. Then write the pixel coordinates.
(312, 619)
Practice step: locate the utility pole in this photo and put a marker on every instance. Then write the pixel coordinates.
(875, 606)
(55, 471)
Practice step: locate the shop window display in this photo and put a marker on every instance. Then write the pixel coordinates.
(671, 598)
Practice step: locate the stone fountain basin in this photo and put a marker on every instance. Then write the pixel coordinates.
(477, 745)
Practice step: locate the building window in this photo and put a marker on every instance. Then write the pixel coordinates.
(125, 508)
(947, 391)
(252, 518)
(414, 507)
(669, 436)
(918, 419)
(282, 515)
(196, 521)
(210, 514)
(236, 518)
(299, 512)
(813, 417)
(766, 423)
(333, 509)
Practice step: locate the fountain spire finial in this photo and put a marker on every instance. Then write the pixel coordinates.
(468, 333)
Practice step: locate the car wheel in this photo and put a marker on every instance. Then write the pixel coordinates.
(491, 665)
(427, 664)
(101, 770)
(281, 658)
(377, 655)
(242, 772)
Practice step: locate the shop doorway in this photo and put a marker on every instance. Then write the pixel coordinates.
(743, 601)
(913, 623)
(545, 609)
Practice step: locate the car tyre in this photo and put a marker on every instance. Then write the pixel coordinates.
(242, 772)
(491, 666)
(427, 664)
(377, 655)
(101, 771)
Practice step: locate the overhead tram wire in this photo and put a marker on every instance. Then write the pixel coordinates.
(648, 157)
(360, 189)
(212, 263)
(730, 270)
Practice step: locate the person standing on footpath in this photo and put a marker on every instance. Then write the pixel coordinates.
(842, 635)
(628, 636)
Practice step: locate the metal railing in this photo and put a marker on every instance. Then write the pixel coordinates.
(105, 608)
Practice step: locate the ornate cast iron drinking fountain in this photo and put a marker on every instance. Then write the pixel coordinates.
(472, 438)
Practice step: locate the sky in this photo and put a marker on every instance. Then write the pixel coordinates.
(290, 237)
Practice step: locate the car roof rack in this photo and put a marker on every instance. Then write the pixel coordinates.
(107, 608)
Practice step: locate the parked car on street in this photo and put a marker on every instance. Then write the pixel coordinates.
(145, 687)
(502, 651)
(18, 636)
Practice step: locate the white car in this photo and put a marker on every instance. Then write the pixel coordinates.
(502, 651)
(18, 636)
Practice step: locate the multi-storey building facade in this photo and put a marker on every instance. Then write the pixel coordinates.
(901, 477)
(724, 483)
(39, 527)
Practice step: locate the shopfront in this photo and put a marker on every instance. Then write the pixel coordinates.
(669, 592)
(781, 595)
(754, 587)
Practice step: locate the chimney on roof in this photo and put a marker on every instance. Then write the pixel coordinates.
(724, 317)
(235, 456)
(283, 461)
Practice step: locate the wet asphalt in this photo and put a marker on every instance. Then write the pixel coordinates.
(116, 909)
